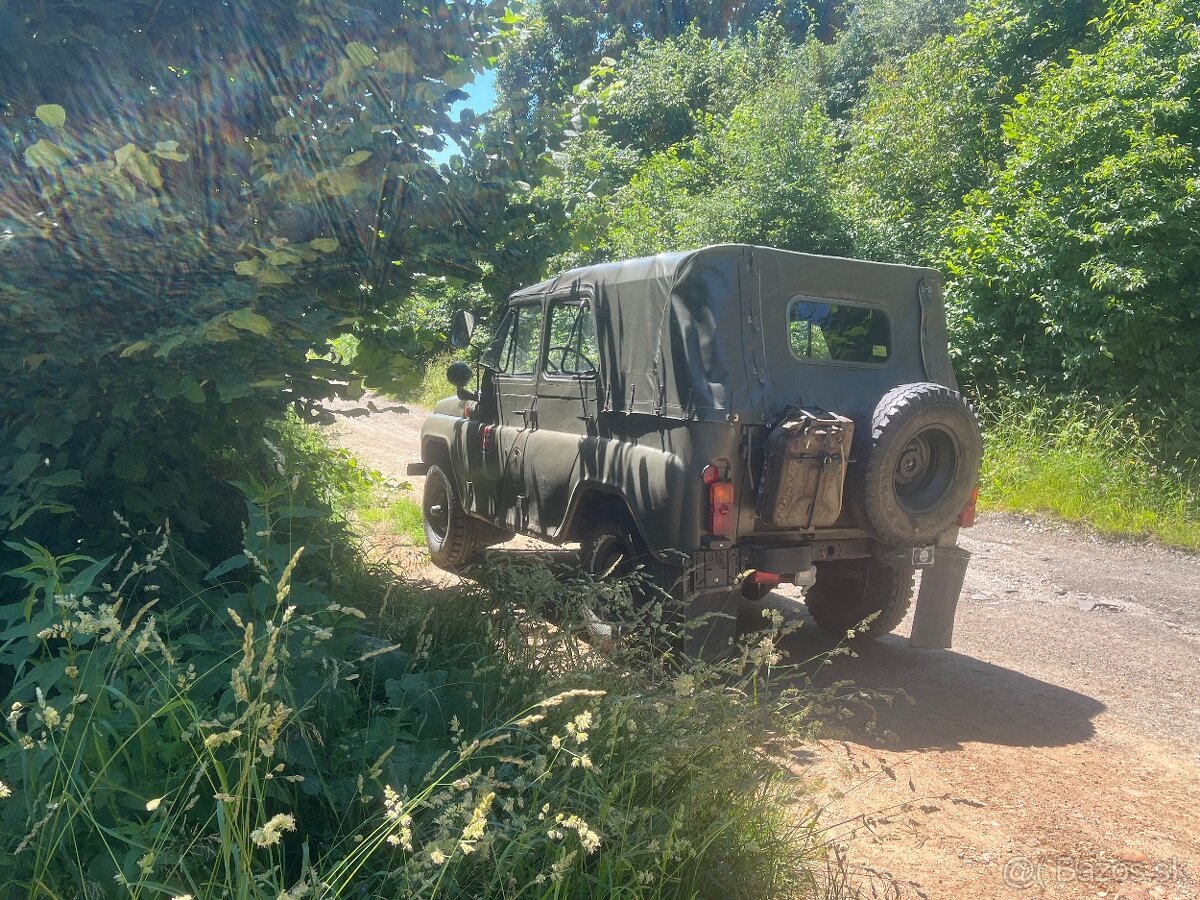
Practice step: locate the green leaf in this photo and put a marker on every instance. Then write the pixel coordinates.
(284, 257)
(361, 54)
(135, 348)
(357, 158)
(248, 320)
(273, 275)
(170, 150)
(191, 390)
(339, 184)
(65, 478)
(458, 76)
(46, 155)
(165, 348)
(129, 464)
(247, 267)
(324, 245)
(230, 565)
(52, 114)
(138, 164)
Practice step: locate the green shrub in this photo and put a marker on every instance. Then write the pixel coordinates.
(1077, 263)
(206, 257)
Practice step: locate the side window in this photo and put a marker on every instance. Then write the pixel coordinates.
(526, 341)
(822, 330)
(572, 348)
(518, 339)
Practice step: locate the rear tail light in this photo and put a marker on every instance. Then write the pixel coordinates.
(486, 436)
(720, 495)
(966, 518)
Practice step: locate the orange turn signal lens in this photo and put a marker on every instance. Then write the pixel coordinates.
(720, 496)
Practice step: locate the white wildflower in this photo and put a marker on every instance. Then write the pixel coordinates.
(271, 833)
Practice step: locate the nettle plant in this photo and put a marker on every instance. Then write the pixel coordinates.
(196, 198)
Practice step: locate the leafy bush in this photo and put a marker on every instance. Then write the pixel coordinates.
(194, 203)
(1077, 264)
(928, 129)
(760, 172)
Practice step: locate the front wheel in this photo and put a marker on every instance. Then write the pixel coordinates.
(849, 591)
(452, 535)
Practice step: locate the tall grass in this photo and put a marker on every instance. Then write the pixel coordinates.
(1088, 462)
(433, 385)
(280, 727)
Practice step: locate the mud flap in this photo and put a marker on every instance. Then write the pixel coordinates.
(711, 627)
(941, 584)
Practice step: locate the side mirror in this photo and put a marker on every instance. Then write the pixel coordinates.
(459, 374)
(461, 329)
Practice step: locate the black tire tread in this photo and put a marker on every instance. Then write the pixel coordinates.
(895, 406)
(461, 543)
(835, 608)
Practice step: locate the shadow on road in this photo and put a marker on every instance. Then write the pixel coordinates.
(955, 698)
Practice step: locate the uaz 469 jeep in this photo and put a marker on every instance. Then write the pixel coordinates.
(730, 417)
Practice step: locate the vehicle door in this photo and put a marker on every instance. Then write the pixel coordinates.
(568, 404)
(515, 382)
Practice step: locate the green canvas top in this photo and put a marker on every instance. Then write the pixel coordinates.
(704, 334)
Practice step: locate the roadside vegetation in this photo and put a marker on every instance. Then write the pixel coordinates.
(1083, 461)
(214, 217)
(399, 513)
(296, 723)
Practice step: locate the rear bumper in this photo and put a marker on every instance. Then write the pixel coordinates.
(721, 563)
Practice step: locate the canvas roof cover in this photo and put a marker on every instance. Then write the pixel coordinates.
(701, 334)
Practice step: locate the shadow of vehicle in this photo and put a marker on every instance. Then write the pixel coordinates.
(954, 698)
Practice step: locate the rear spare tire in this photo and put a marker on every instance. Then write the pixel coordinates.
(922, 458)
(848, 591)
(452, 535)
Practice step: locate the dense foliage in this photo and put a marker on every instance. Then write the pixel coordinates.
(1042, 154)
(215, 215)
(195, 198)
(285, 726)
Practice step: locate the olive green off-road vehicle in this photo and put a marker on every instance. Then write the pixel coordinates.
(727, 419)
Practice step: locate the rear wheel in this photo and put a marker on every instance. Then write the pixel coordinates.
(848, 591)
(452, 535)
(612, 549)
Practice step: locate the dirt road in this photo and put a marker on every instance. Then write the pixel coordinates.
(1054, 752)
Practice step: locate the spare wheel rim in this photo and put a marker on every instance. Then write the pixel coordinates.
(925, 469)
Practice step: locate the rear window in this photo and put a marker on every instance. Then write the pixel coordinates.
(827, 331)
